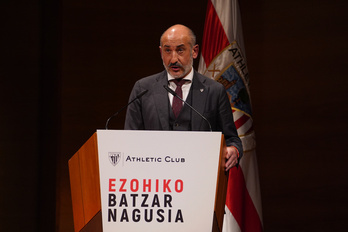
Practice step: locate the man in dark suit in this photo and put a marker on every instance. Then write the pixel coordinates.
(154, 111)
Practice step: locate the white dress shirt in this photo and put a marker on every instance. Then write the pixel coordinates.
(185, 87)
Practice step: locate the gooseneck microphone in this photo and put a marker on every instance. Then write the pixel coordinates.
(176, 95)
(115, 114)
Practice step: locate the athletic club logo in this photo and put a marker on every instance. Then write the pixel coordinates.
(114, 158)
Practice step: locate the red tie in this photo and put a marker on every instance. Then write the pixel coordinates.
(177, 103)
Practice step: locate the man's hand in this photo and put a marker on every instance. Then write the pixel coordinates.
(231, 157)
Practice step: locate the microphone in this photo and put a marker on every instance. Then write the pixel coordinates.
(137, 97)
(176, 95)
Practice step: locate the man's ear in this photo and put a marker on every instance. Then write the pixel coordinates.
(195, 51)
(160, 49)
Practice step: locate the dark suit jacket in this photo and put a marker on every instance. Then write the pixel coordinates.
(208, 97)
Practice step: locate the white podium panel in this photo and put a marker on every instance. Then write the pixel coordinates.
(158, 180)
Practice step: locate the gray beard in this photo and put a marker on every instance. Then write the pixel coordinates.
(186, 71)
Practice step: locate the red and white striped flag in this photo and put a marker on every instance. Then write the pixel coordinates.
(223, 59)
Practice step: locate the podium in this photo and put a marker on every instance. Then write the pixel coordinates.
(149, 181)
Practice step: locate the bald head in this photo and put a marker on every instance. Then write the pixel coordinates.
(179, 30)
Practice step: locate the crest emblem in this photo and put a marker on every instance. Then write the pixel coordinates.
(114, 158)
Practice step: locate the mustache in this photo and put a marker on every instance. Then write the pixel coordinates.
(175, 64)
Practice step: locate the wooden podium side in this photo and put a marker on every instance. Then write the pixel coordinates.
(85, 188)
(221, 190)
(84, 183)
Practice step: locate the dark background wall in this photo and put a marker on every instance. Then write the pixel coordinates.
(66, 66)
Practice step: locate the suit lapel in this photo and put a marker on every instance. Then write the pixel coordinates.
(199, 97)
(161, 100)
(199, 93)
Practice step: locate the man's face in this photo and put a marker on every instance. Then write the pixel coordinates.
(177, 53)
